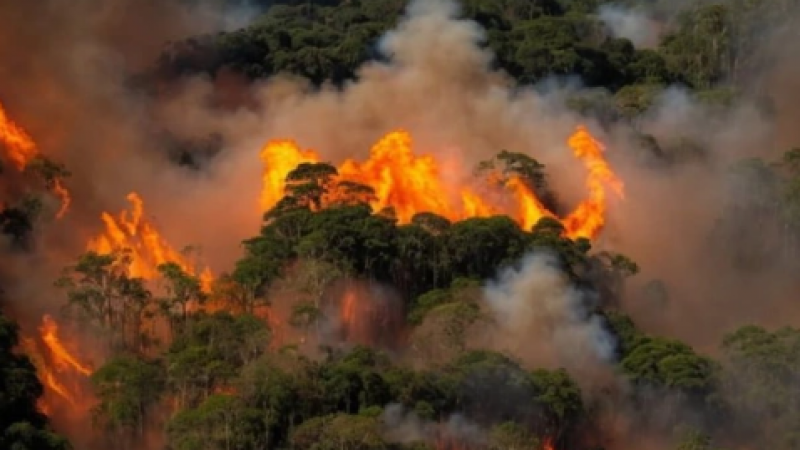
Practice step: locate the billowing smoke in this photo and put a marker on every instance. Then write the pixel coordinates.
(632, 24)
(406, 427)
(67, 78)
(544, 320)
(437, 83)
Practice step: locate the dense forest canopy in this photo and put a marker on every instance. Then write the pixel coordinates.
(491, 224)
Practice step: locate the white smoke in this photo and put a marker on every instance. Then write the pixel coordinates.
(544, 319)
(404, 426)
(632, 24)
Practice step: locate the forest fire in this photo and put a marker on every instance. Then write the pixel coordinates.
(350, 317)
(59, 369)
(411, 184)
(130, 231)
(367, 315)
(61, 356)
(21, 151)
(589, 215)
(431, 254)
(19, 146)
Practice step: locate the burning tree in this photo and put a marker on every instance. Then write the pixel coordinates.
(22, 424)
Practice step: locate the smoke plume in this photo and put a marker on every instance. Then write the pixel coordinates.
(632, 24)
(544, 320)
(403, 426)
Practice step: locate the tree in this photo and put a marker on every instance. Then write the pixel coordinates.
(548, 235)
(127, 389)
(309, 183)
(623, 327)
(668, 364)
(758, 379)
(699, 49)
(17, 221)
(182, 290)
(418, 265)
(755, 193)
(443, 329)
(432, 223)
(210, 351)
(352, 382)
(22, 426)
(694, 440)
(609, 272)
(280, 390)
(352, 238)
(49, 171)
(561, 403)
(101, 294)
(313, 278)
(506, 165)
(478, 247)
(339, 431)
(513, 435)
(220, 422)
(487, 384)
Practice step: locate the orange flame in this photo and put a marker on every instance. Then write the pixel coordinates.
(132, 232)
(61, 357)
(19, 144)
(281, 157)
(21, 149)
(402, 180)
(46, 375)
(63, 194)
(589, 216)
(411, 184)
(349, 316)
(57, 366)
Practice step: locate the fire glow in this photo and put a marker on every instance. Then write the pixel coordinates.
(59, 369)
(131, 231)
(21, 150)
(412, 184)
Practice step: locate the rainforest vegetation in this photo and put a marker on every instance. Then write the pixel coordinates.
(232, 375)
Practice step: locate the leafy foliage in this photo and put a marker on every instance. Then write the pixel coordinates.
(22, 426)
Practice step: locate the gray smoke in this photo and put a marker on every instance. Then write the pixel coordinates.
(543, 319)
(405, 427)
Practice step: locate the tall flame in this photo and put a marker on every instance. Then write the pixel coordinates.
(132, 232)
(589, 216)
(61, 357)
(63, 194)
(402, 180)
(21, 149)
(282, 157)
(58, 368)
(19, 145)
(412, 184)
